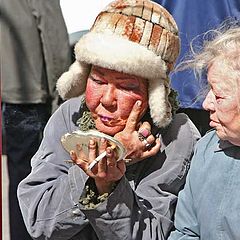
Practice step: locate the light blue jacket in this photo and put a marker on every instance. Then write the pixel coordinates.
(209, 206)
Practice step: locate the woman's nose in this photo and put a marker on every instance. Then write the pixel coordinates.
(109, 96)
(208, 104)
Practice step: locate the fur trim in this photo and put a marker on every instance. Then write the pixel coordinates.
(160, 108)
(134, 37)
(120, 54)
(135, 59)
(73, 82)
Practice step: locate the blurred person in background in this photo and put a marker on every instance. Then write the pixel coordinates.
(34, 52)
(117, 86)
(208, 206)
(194, 18)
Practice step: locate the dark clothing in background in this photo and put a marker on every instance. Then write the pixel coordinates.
(194, 18)
(200, 118)
(23, 127)
(34, 52)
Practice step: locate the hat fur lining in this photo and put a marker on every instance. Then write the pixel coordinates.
(113, 52)
(123, 56)
(73, 82)
(160, 109)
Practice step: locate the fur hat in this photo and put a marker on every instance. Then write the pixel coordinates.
(138, 37)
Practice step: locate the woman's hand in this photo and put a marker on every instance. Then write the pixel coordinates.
(107, 171)
(137, 138)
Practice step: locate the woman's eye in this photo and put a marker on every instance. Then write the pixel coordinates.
(96, 80)
(128, 86)
(218, 98)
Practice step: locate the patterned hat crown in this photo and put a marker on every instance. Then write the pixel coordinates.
(137, 37)
(143, 22)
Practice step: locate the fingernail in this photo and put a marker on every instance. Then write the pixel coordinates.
(91, 142)
(139, 103)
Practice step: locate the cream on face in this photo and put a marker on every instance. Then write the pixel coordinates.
(223, 101)
(110, 96)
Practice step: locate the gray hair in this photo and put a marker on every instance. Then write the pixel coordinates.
(222, 44)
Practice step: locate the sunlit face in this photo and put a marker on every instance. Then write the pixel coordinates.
(110, 97)
(223, 103)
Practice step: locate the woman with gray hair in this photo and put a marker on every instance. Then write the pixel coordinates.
(209, 205)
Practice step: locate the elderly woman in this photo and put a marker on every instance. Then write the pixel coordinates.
(209, 206)
(117, 86)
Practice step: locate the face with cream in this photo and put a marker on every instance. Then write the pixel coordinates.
(110, 96)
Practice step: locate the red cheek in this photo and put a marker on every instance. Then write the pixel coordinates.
(126, 103)
(92, 96)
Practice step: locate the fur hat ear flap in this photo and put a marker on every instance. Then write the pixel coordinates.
(73, 82)
(160, 108)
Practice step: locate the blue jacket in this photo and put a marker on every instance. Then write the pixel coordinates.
(209, 206)
(193, 18)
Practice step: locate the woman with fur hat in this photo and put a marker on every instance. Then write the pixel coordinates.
(124, 185)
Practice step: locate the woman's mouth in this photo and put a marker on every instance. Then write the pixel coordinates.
(213, 123)
(109, 121)
(105, 118)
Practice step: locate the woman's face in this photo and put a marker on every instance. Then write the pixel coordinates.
(223, 102)
(110, 96)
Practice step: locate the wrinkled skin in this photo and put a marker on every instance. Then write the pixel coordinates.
(223, 102)
(117, 101)
(110, 97)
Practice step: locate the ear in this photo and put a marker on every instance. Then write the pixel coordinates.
(160, 108)
(73, 82)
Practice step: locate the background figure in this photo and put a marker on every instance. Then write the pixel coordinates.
(194, 18)
(35, 51)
